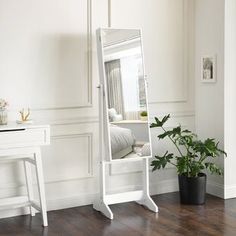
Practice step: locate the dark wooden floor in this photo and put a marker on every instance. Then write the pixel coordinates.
(217, 217)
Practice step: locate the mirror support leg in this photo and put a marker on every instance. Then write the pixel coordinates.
(99, 204)
(147, 200)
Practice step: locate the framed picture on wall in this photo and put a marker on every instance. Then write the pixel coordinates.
(208, 69)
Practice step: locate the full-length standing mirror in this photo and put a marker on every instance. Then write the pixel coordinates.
(124, 129)
(126, 93)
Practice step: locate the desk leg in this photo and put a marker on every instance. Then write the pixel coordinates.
(40, 179)
(29, 184)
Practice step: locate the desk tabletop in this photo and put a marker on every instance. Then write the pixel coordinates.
(15, 126)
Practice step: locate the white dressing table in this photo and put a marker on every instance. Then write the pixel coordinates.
(22, 142)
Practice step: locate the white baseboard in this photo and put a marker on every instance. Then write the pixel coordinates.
(55, 204)
(160, 187)
(215, 189)
(15, 212)
(73, 201)
(230, 191)
(165, 186)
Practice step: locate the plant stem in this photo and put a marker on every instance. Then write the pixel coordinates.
(174, 143)
(202, 158)
(173, 164)
(187, 162)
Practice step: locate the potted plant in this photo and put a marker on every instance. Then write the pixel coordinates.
(194, 156)
(143, 116)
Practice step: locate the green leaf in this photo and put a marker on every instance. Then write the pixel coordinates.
(171, 133)
(167, 133)
(161, 161)
(195, 168)
(159, 123)
(176, 131)
(186, 131)
(181, 165)
(153, 125)
(165, 118)
(213, 168)
(208, 148)
(193, 152)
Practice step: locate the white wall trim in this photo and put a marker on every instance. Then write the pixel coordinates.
(75, 120)
(185, 79)
(74, 201)
(70, 121)
(160, 187)
(90, 167)
(184, 98)
(164, 186)
(109, 13)
(215, 189)
(89, 102)
(95, 119)
(230, 191)
(181, 114)
(90, 154)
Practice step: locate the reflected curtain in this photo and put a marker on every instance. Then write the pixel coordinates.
(132, 115)
(114, 86)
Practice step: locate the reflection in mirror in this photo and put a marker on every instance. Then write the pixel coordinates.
(126, 93)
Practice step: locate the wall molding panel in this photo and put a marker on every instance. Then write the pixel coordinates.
(95, 119)
(184, 81)
(79, 164)
(89, 53)
(49, 57)
(184, 78)
(75, 121)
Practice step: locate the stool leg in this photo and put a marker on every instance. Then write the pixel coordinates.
(40, 179)
(29, 184)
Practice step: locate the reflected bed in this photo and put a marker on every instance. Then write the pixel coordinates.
(122, 141)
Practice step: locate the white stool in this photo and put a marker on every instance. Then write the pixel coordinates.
(23, 143)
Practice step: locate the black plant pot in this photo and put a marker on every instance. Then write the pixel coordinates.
(192, 189)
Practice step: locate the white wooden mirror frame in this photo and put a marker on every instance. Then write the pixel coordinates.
(104, 200)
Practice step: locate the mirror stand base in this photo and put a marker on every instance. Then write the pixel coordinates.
(103, 208)
(148, 203)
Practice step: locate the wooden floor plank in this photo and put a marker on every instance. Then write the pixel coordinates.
(216, 218)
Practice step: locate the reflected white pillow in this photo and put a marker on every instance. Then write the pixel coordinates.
(145, 151)
(111, 113)
(117, 117)
(113, 116)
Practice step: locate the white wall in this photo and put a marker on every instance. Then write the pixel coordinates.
(48, 62)
(168, 37)
(209, 40)
(230, 98)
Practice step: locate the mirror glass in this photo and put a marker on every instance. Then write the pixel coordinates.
(126, 92)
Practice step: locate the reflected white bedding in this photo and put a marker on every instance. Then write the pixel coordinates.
(121, 139)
